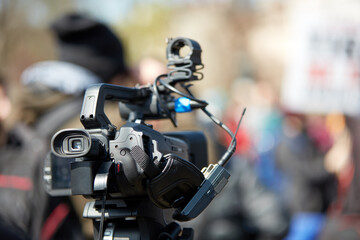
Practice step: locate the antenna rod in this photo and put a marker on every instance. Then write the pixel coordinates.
(232, 147)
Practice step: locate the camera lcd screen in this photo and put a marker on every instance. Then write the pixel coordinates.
(58, 177)
(60, 168)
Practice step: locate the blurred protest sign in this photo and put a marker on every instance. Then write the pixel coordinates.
(323, 72)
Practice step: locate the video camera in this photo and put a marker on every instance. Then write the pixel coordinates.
(136, 171)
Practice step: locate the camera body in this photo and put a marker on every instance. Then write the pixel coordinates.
(98, 158)
(101, 152)
(136, 162)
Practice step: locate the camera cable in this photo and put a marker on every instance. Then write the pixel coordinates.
(162, 104)
(231, 149)
(102, 220)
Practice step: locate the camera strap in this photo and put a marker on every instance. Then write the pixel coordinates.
(144, 161)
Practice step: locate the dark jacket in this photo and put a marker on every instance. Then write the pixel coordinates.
(245, 209)
(21, 196)
(310, 187)
(26, 210)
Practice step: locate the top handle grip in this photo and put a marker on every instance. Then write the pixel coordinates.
(92, 112)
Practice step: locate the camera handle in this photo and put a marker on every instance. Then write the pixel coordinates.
(92, 111)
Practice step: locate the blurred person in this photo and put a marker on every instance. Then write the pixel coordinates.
(22, 196)
(88, 50)
(92, 45)
(148, 69)
(19, 218)
(289, 154)
(51, 99)
(246, 209)
(310, 187)
(343, 221)
(301, 155)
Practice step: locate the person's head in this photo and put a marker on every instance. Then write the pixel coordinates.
(90, 44)
(5, 108)
(5, 105)
(148, 69)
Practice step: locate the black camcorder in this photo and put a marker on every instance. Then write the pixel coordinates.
(136, 171)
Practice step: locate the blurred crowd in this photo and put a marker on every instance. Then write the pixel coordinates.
(294, 176)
